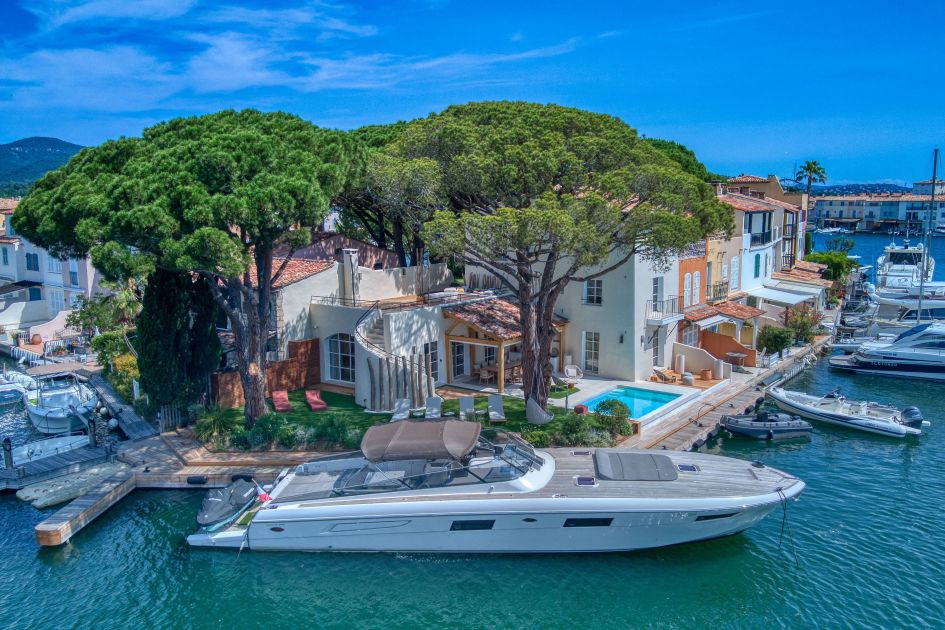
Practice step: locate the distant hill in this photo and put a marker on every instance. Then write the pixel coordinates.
(24, 161)
(818, 190)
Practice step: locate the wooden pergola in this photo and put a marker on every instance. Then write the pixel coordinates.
(489, 324)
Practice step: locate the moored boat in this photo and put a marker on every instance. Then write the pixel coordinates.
(222, 506)
(835, 409)
(767, 425)
(919, 352)
(59, 404)
(440, 486)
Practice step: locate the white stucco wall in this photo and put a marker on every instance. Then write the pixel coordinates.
(405, 332)
(295, 300)
(383, 284)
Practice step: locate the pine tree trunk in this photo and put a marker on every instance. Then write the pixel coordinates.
(398, 236)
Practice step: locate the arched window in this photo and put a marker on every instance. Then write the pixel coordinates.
(687, 290)
(696, 287)
(341, 357)
(757, 265)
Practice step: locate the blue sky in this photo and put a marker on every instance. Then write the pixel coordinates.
(751, 87)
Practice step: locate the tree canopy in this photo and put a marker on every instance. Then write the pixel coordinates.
(208, 195)
(541, 195)
(686, 159)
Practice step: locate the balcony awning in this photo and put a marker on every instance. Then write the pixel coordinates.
(793, 287)
(775, 296)
(708, 322)
(13, 287)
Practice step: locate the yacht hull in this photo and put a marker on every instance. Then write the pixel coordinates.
(889, 368)
(519, 526)
(868, 425)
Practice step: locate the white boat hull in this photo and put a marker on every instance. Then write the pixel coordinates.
(870, 425)
(521, 526)
(47, 448)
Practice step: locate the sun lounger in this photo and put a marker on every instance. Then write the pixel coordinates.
(496, 410)
(401, 410)
(280, 400)
(434, 407)
(664, 376)
(314, 399)
(467, 408)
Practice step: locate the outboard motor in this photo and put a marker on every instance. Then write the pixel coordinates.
(912, 417)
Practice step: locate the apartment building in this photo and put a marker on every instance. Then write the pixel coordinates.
(882, 212)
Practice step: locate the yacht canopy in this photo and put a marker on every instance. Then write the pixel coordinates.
(420, 439)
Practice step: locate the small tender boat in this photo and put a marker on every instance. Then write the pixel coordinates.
(48, 447)
(222, 506)
(59, 404)
(834, 408)
(767, 425)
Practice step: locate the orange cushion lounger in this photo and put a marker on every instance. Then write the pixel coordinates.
(314, 399)
(280, 400)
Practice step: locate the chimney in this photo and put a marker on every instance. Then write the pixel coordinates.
(718, 187)
(349, 274)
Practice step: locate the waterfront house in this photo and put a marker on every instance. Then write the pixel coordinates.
(35, 287)
(882, 212)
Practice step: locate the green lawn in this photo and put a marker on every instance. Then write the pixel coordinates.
(343, 407)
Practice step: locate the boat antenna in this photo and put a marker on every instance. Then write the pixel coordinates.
(926, 236)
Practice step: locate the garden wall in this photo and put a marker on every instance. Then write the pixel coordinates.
(302, 369)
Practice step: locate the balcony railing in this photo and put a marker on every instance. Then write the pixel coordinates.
(790, 230)
(787, 261)
(660, 311)
(717, 292)
(760, 238)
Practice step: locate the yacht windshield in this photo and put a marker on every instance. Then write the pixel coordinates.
(904, 258)
(353, 475)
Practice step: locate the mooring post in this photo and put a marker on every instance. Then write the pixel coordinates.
(92, 431)
(7, 453)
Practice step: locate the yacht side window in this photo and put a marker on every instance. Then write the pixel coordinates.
(466, 526)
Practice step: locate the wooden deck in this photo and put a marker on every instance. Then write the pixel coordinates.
(50, 467)
(131, 424)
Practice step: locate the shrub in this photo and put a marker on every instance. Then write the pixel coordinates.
(574, 430)
(195, 412)
(803, 320)
(774, 339)
(109, 345)
(213, 425)
(269, 426)
(538, 438)
(353, 437)
(332, 430)
(255, 437)
(611, 416)
(838, 265)
(124, 369)
(289, 436)
(600, 439)
(239, 438)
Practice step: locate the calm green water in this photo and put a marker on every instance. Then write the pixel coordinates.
(869, 537)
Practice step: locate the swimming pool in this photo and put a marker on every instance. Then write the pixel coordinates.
(639, 401)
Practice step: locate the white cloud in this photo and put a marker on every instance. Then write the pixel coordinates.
(232, 62)
(56, 13)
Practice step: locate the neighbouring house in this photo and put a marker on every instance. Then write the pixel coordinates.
(35, 287)
(330, 245)
(882, 212)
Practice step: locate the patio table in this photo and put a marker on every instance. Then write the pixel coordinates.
(736, 358)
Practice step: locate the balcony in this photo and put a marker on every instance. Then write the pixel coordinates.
(760, 238)
(787, 261)
(717, 292)
(790, 231)
(663, 312)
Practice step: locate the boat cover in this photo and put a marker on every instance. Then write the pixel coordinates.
(420, 439)
(623, 466)
(222, 503)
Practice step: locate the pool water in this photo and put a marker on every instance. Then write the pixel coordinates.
(639, 401)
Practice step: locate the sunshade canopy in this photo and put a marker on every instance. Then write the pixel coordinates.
(420, 439)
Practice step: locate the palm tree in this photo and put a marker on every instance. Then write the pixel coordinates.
(812, 171)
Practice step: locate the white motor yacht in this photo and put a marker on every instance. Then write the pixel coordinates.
(835, 409)
(919, 352)
(901, 266)
(440, 486)
(59, 403)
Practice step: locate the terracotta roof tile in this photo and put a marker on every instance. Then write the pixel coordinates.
(297, 269)
(700, 312)
(804, 277)
(807, 265)
(747, 179)
(753, 204)
(8, 204)
(738, 311)
(498, 318)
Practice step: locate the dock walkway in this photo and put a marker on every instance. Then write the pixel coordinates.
(691, 426)
(66, 463)
(128, 419)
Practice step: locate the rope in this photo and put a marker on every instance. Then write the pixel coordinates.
(785, 523)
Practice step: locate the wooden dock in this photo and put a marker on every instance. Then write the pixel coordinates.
(131, 424)
(50, 467)
(690, 427)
